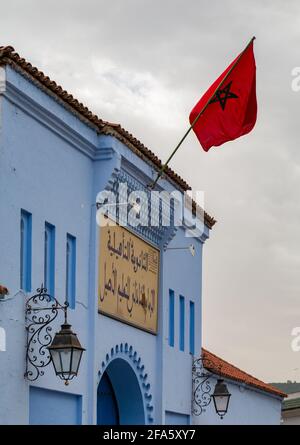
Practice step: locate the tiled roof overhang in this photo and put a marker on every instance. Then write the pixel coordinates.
(219, 366)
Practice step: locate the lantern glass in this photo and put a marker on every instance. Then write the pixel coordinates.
(65, 358)
(221, 397)
(221, 404)
(77, 353)
(55, 356)
(66, 352)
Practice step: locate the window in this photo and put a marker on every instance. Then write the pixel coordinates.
(192, 327)
(181, 322)
(71, 270)
(49, 258)
(25, 250)
(171, 317)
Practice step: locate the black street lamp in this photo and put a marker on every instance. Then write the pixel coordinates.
(203, 370)
(66, 352)
(221, 397)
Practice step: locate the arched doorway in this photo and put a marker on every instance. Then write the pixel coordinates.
(119, 397)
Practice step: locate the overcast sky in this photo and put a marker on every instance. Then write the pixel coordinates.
(144, 64)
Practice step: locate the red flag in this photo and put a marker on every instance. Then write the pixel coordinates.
(229, 106)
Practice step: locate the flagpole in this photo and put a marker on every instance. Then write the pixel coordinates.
(164, 166)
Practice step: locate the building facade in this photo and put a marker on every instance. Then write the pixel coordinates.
(55, 158)
(133, 290)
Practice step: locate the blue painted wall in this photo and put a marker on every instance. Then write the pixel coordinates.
(177, 419)
(54, 407)
(247, 406)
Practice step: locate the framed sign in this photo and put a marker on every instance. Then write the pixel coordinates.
(128, 277)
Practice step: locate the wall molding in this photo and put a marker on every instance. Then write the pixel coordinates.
(49, 120)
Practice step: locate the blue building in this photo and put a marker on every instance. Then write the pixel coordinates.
(56, 156)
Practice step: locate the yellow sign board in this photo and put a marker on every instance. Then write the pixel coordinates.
(128, 277)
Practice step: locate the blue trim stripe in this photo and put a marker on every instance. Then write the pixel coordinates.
(192, 327)
(181, 322)
(171, 317)
(49, 258)
(71, 270)
(25, 250)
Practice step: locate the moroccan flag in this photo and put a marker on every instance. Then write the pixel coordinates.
(228, 109)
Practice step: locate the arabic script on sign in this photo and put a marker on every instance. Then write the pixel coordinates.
(128, 277)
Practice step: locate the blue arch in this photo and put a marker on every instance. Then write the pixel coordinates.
(130, 382)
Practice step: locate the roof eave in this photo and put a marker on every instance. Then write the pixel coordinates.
(9, 56)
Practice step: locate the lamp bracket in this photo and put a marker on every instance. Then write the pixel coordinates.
(40, 311)
(201, 393)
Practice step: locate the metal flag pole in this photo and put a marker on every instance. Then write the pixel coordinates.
(164, 166)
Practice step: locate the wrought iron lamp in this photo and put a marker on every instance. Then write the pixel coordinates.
(65, 351)
(221, 397)
(202, 370)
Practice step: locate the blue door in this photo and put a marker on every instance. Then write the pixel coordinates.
(107, 406)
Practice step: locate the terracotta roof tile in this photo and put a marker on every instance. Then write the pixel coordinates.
(225, 369)
(12, 58)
